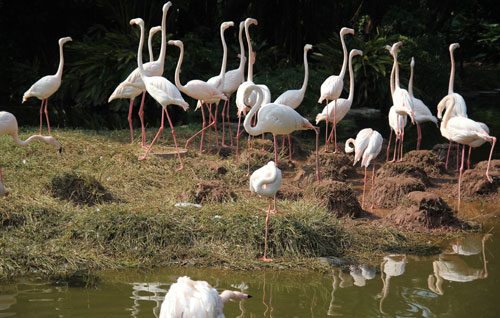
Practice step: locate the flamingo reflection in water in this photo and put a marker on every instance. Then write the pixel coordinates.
(392, 265)
(155, 293)
(453, 268)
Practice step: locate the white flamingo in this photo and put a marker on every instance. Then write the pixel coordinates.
(162, 90)
(421, 112)
(196, 299)
(266, 182)
(152, 68)
(367, 144)
(47, 85)
(332, 87)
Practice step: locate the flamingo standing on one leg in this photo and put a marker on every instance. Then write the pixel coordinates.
(336, 110)
(421, 112)
(162, 90)
(276, 119)
(464, 131)
(47, 85)
(125, 90)
(266, 182)
(368, 144)
(332, 87)
(293, 98)
(189, 298)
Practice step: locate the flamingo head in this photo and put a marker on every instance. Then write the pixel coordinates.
(166, 6)
(412, 63)
(345, 30)
(138, 21)
(320, 117)
(454, 46)
(355, 52)
(250, 21)
(226, 25)
(176, 43)
(184, 105)
(52, 141)
(153, 30)
(64, 40)
(448, 99)
(308, 47)
(348, 147)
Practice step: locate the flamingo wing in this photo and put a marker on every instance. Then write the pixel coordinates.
(43, 88)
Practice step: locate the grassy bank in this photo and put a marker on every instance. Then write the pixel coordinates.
(95, 206)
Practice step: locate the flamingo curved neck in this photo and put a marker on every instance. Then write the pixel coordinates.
(150, 46)
(250, 52)
(178, 70)
(224, 59)
(452, 73)
(344, 63)
(410, 83)
(349, 145)
(393, 71)
(447, 113)
(306, 74)
(61, 61)
(27, 141)
(163, 48)
(139, 53)
(246, 124)
(351, 79)
(270, 179)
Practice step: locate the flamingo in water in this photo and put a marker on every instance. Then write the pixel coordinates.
(190, 298)
(266, 182)
(47, 85)
(8, 126)
(276, 119)
(367, 144)
(464, 131)
(332, 87)
(162, 90)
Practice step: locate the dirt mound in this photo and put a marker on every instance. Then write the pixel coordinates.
(306, 175)
(426, 160)
(475, 183)
(403, 170)
(80, 189)
(442, 149)
(425, 211)
(258, 158)
(334, 166)
(208, 191)
(338, 197)
(298, 153)
(388, 191)
(289, 193)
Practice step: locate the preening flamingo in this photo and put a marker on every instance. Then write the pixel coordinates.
(464, 131)
(47, 85)
(8, 126)
(332, 87)
(367, 144)
(276, 119)
(266, 182)
(421, 112)
(132, 86)
(293, 98)
(189, 298)
(336, 110)
(162, 90)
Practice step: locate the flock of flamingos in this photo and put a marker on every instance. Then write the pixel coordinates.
(278, 117)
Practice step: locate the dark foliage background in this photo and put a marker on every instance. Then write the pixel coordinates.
(103, 51)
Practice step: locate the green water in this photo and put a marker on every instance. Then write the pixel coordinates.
(404, 290)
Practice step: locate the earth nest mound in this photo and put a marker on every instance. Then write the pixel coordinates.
(475, 184)
(289, 193)
(338, 196)
(426, 160)
(425, 211)
(441, 150)
(209, 191)
(334, 166)
(403, 170)
(80, 189)
(389, 191)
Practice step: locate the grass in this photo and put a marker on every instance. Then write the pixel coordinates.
(95, 206)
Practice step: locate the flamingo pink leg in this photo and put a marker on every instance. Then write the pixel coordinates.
(364, 189)
(199, 132)
(148, 149)
(401, 144)
(238, 139)
(468, 158)
(249, 147)
(264, 258)
(290, 147)
(419, 138)
(316, 130)
(175, 141)
(229, 122)
(41, 115)
(447, 156)
(326, 127)
(210, 116)
(130, 120)
(489, 160)
(335, 125)
(460, 176)
(47, 115)
(223, 123)
(141, 117)
(215, 126)
(203, 129)
(397, 137)
(388, 147)
(275, 151)
(458, 151)
(373, 182)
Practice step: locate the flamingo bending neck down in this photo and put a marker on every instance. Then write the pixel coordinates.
(189, 298)
(266, 182)
(162, 90)
(8, 126)
(276, 119)
(47, 85)
(367, 144)
(464, 131)
(332, 87)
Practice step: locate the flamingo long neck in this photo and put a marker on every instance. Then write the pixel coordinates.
(150, 46)
(396, 78)
(447, 113)
(61, 61)
(242, 48)
(250, 53)
(139, 53)
(224, 59)
(163, 48)
(246, 124)
(452, 73)
(393, 71)
(410, 83)
(351, 80)
(30, 139)
(344, 63)
(306, 74)
(178, 70)
(349, 145)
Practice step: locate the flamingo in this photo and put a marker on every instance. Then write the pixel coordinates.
(190, 298)
(125, 90)
(266, 181)
(162, 90)
(464, 131)
(196, 89)
(47, 85)
(368, 144)
(393, 265)
(152, 68)
(336, 110)
(276, 119)
(8, 126)
(293, 98)
(332, 87)
(421, 112)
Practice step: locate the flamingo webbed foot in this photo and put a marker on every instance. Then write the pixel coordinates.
(265, 259)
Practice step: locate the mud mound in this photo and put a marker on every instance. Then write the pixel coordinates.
(425, 211)
(334, 166)
(426, 160)
(258, 158)
(289, 193)
(208, 170)
(403, 170)
(389, 191)
(80, 189)
(306, 175)
(338, 197)
(442, 149)
(475, 184)
(494, 166)
(210, 191)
